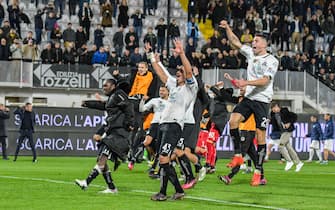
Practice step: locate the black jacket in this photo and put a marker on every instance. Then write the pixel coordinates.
(288, 117)
(3, 116)
(21, 112)
(120, 112)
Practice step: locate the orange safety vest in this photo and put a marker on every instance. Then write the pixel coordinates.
(141, 84)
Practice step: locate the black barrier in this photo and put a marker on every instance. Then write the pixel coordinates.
(69, 131)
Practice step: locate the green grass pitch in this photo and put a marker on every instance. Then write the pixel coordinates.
(49, 184)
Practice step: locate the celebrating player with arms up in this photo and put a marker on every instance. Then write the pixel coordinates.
(261, 70)
(182, 90)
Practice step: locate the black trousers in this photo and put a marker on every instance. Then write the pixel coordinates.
(3, 146)
(23, 135)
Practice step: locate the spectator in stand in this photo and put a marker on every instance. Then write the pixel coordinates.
(69, 56)
(13, 15)
(83, 57)
(285, 62)
(81, 37)
(47, 54)
(99, 57)
(125, 59)
(69, 35)
(98, 36)
(164, 58)
(174, 61)
(285, 33)
(135, 57)
(72, 7)
(296, 33)
(30, 51)
(56, 34)
(173, 30)
(314, 27)
(308, 42)
(312, 68)
(191, 9)
(107, 14)
(6, 28)
(28, 38)
(132, 44)
(151, 38)
(258, 23)
(203, 10)
(275, 31)
(190, 48)
(193, 31)
(16, 50)
(85, 17)
(38, 26)
(250, 24)
(328, 64)
(58, 52)
(246, 37)
(137, 22)
(4, 50)
(118, 42)
(215, 40)
(113, 60)
(12, 35)
(161, 28)
(232, 61)
(131, 32)
(90, 54)
(2, 13)
(220, 61)
(220, 12)
(297, 63)
(328, 28)
(1, 34)
(59, 4)
(50, 22)
(331, 81)
(322, 76)
(207, 59)
(123, 18)
(224, 46)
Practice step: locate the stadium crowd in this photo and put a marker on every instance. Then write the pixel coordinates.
(301, 34)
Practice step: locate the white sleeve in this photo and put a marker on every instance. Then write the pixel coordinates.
(272, 67)
(192, 84)
(148, 105)
(165, 71)
(247, 51)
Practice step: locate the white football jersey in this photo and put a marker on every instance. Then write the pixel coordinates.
(158, 105)
(258, 67)
(180, 98)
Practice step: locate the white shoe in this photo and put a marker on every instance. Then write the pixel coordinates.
(81, 183)
(308, 161)
(202, 174)
(299, 166)
(289, 165)
(243, 167)
(111, 191)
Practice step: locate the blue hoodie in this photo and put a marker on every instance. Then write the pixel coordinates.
(329, 130)
(316, 132)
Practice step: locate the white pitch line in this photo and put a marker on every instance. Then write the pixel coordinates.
(148, 192)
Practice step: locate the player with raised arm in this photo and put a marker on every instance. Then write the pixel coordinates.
(183, 88)
(261, 70)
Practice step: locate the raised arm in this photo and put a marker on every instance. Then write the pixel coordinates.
(233, 39)
(186, 63)
(154, 59)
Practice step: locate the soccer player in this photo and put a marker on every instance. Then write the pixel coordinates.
(157, 105)
(182, 89)
(328, 138)
(316, 136)
(261, 70)
(114, 144)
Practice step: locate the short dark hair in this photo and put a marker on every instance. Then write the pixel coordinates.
(28, 103)
(111, 80)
